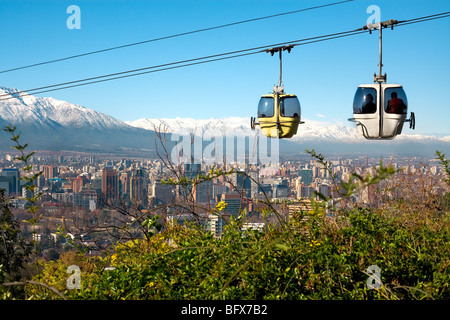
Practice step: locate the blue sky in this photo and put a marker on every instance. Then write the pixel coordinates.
(323, 75)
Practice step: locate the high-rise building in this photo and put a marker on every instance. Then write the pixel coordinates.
(241, 182)
(86, 198)
(304, 191)
(77, 184)
(218, 189)
(10, 181)
(203, 192)
(297, 207)
(123, 180)
(325, 190)
(50, 172)
(306, 175)
(233, 201)
(28, 193)
(5, 184)
(40, 181)
(191, 171)
(163, 193)
(280, 191)
(138, 186)
(110, 184)
(215, 225)
(96, 184)
(254, 183)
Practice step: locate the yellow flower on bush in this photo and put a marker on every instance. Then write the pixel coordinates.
(132, 243)
(315, 243)
(113, 259)
(221, 205)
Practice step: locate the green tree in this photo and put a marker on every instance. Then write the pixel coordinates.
(14, 248)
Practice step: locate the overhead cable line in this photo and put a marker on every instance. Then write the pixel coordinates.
(173, 36)
(426, 18)
(183, 63)
(201, 60)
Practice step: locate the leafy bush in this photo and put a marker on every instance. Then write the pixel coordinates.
(314, 256)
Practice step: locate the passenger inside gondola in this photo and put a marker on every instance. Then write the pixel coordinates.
(368, 105)
(395, 104)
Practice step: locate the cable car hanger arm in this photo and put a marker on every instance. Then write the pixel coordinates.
(380, 25)
(287, 48)
(384, 24)
(280, 49)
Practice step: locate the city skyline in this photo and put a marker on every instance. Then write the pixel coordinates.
(80, 169)
(96, 183)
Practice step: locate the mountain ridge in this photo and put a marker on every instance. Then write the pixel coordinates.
(332, 137)
(44, 110)
(50, 124)
(310, 130)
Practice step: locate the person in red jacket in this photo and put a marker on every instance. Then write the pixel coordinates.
(395, 105)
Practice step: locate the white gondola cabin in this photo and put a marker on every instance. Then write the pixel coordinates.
(380, 110)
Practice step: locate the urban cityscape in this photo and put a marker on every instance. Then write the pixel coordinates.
(83, 185)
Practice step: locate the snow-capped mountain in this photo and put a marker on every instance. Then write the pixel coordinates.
(231, 124)
(47, 123)
(322, 135)
(51, 112)
(311, 130)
